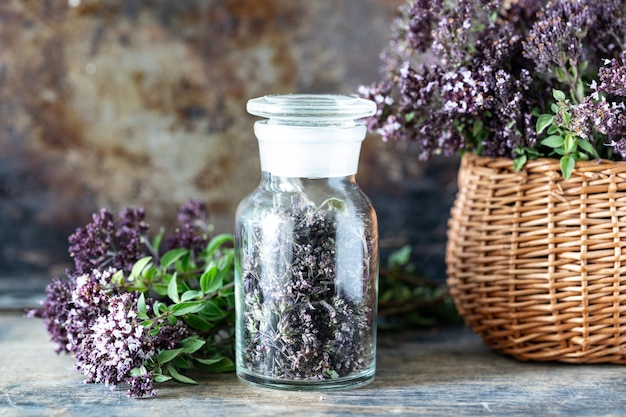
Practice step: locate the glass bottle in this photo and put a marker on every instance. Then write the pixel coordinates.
(306, 268)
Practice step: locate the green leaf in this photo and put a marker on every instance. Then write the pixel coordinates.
(544, 121)
(569, 144)
(580, 156)
(180, 362)
(141, 307)
(561, 74)
(218, 241)
(212, 361)
(583, 66)
(140, 265)
(172, 256)
(166, 356)
(161, 378)
(553, 129)
(566, 118)
(188, 307)
(400, 257)
(477, 128)
(138, 371)
(156, 242)
(567, 166)
(159, 308)
(207, 278)
(216, 365)
(172, 289)
(519, 162)
(198, 323)
(334, 205)
(588, 147)
(554, 141)
(177, 376)
(191, 294)
(216, 282)
(580, 90)
(192, 344)
(210, 310)
(225, 262)
(558, 95)
(160, 289)
(118, 278)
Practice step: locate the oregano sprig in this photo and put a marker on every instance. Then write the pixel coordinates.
(564, 138)
(139, 311)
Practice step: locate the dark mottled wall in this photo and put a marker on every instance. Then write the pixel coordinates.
(114, 103)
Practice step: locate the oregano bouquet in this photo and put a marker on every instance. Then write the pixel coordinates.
(137, 310)
(506, 78)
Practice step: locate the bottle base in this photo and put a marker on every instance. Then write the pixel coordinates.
(350, 382)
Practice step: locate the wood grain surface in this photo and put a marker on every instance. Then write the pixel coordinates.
(444, 373)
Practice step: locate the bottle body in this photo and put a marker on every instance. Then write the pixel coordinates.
(306, 283)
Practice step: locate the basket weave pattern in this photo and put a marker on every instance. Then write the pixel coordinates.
(535, 263)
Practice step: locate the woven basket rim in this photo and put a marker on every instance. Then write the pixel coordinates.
(544, 164)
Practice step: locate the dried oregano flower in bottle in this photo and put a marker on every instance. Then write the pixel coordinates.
(306, 265)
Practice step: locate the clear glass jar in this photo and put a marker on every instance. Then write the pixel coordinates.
(306, 269)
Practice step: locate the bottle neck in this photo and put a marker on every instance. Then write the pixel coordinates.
(308, 192)
(273, 182)
(309, 151)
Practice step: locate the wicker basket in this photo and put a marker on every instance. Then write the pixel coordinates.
(535, 263)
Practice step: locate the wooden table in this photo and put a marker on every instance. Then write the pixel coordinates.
(447, 373)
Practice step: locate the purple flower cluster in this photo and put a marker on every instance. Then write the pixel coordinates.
(613, 76)
(475, 74)
(116, 344)
(556, 39)
(193, 229)
(98, 325)
(103, 243)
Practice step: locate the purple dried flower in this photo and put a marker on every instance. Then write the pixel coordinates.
(555, 39)
(193, 230)
(473, 75)
(89, 301)
(613, 76)
(169, 336)
(619, 146)
(462, 91)
(609, 33)
(103, 243)
(439, 90)
(130, 235)
(90, 245)
(141, 386)
(116, 344)
(55, 312)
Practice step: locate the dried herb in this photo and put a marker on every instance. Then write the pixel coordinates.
(309, 293)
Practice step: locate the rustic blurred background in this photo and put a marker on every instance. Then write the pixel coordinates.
(115, 103)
